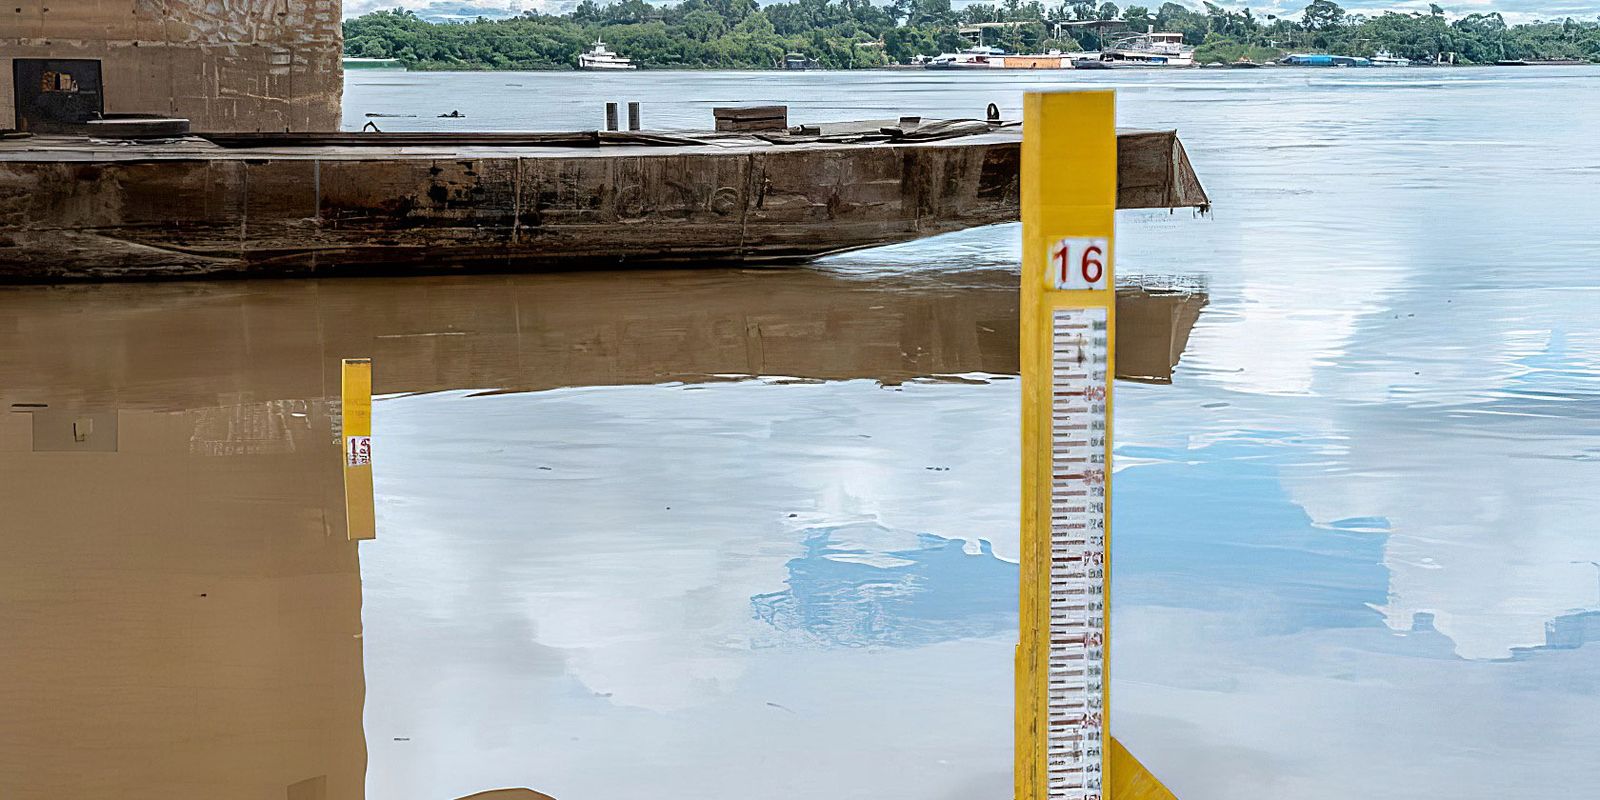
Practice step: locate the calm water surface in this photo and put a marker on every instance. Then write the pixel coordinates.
(752, 534)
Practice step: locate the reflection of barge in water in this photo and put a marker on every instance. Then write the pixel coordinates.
(74, 208)
(539, 332)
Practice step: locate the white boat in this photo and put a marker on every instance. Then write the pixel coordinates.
(1384, 58)
(995, 58)
(601, 57)
(1151, 49)
(970, 58)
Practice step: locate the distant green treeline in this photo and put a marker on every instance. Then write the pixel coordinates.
(845, 34)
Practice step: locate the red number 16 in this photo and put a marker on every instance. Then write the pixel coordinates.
(1090, 266)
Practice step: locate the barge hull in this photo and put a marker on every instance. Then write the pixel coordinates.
(70, 210)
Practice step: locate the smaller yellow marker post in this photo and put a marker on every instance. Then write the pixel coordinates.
(356, 392)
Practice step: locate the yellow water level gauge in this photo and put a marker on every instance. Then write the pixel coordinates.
(1069, 196)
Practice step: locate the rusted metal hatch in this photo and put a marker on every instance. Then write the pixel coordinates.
(57, 95)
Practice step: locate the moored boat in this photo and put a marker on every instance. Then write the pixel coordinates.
(601, 57)
(1150, 49)
(799, 62)
(970, 58)
(1323, 60)
(996, 58)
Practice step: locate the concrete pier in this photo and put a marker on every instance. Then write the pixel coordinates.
(243, 65)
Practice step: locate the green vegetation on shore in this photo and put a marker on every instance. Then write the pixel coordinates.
(847, 34)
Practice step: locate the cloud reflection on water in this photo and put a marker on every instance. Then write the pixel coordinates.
(853, 589)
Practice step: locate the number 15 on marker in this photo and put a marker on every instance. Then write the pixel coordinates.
(1079, 263)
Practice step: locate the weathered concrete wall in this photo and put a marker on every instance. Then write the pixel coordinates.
(226, 65)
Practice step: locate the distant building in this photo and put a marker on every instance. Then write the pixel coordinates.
(242, 65)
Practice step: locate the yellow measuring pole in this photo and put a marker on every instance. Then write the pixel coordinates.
(356, 393)
(1069, 198)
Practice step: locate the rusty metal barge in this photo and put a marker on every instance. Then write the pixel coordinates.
(99, 179)
(286, 204)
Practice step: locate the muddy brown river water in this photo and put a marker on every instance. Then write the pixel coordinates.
(752, 534)
(188, 620)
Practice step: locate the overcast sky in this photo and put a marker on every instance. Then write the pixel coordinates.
(1514, 10)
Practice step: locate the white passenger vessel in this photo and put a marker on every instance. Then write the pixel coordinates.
(601, 57)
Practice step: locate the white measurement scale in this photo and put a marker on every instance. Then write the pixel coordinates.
(1076, 665)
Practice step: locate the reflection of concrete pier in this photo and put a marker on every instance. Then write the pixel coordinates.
(177, 625)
